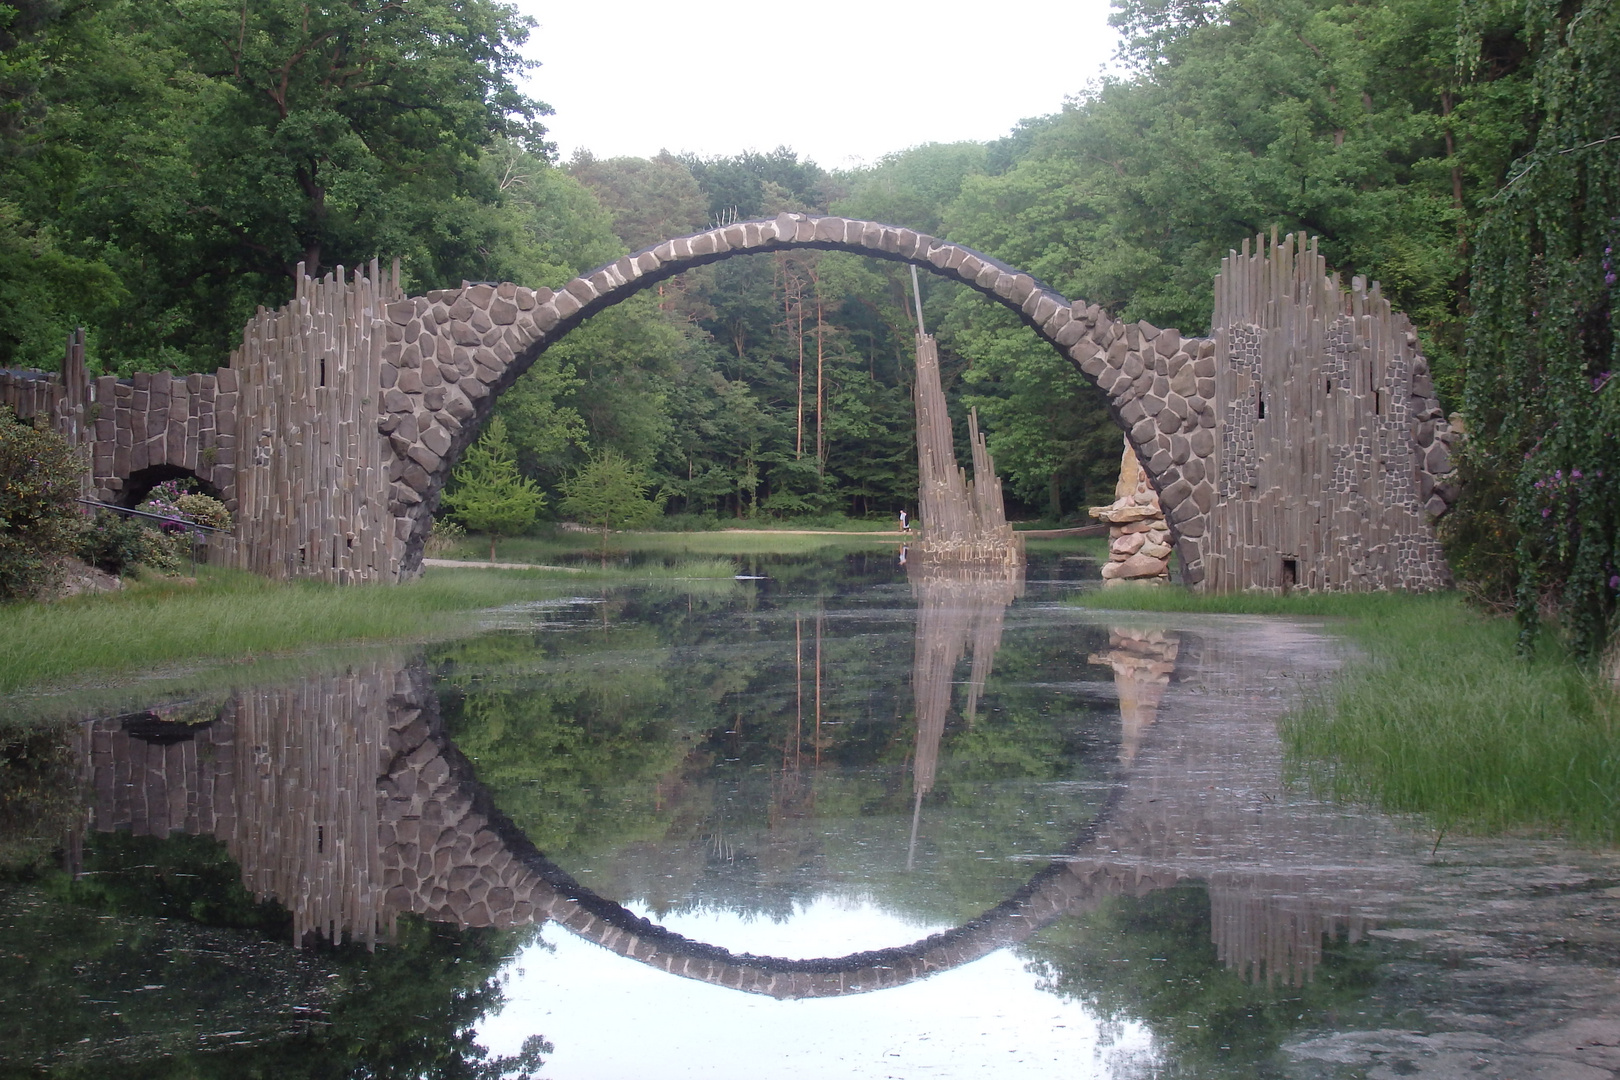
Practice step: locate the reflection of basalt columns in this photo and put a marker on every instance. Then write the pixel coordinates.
(963, 521)
(1263, 933)
(957, 606)
(298, 780)
(286, 778)
(1139, 536)
(1143, 661)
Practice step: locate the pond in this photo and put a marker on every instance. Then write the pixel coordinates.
(836, 817)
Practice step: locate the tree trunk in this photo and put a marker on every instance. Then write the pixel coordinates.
(492, 539)
(1054, 493)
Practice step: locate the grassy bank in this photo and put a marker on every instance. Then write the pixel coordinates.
(1441, 717)
(581, 549)
(234, 615)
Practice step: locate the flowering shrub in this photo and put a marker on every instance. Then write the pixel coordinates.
(40, 520)
(168, 542)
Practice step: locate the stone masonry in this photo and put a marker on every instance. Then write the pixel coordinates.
(445, 357)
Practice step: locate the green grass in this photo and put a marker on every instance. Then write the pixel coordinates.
(1441, 718)
(580, 548)
(234, 615)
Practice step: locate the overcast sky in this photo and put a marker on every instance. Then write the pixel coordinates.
(841, 81)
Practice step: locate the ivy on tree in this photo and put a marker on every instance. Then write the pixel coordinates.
(490, 495)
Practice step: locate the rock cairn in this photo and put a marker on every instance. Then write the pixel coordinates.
(1139, 544)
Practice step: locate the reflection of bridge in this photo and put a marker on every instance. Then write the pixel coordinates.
(1302, 438)
(341, 798)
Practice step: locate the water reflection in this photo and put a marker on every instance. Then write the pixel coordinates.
(958, 607)
(344, 799)
(740, 788)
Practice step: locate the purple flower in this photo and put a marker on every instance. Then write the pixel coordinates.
(1545, 512)
(1614, 581)
(1576, 475)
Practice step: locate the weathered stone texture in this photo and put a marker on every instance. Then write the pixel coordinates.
(1329, 434)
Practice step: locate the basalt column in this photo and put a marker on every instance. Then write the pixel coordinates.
(963, 521)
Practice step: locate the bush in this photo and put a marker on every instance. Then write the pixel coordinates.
(117, 544)
(446, 535)
(40, 521)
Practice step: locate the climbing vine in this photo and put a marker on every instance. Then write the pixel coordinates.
(1542, 344)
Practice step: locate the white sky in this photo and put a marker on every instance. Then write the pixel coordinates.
(841, 81)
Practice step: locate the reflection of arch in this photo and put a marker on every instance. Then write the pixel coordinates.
(959, 607)
(277, 780)
(450, 353)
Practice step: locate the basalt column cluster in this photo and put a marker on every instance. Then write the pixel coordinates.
(1334, 456)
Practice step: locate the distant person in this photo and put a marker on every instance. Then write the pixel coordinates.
(905, 526)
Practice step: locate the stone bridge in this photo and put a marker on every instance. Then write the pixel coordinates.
(341, 798)
(1301, 442)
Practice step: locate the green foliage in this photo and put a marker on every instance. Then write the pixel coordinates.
(164, 928)
(119, 544)
(1444, 720)
(173, 164)
(39, 796)
(236, 615)
(1441, 718)
(1542, 340)
(40, 521)
(610, 493)
(1152, 959)
(489, 495)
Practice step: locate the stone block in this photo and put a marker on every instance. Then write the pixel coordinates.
(396, 401)
(566, 304)
(410, 381)
(1070, 334)
(437, 440)
(1175, 494)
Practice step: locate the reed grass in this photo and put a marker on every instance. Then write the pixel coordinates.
(1441, 717)
(235, 615)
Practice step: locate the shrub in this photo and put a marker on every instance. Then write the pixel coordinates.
(117, 544)
(446, 535)
(40, 521)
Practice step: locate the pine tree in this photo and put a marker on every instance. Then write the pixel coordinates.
(490, 495)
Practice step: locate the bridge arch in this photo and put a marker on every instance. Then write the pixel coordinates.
(451, 353)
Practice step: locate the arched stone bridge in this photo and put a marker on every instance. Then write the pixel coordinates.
(1338, 483)
(450, 353)
(282, 779)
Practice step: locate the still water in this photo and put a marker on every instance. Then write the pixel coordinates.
(834, 821)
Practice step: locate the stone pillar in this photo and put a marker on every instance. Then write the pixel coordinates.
(1139, 539)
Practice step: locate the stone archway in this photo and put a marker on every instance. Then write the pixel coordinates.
(448, 355)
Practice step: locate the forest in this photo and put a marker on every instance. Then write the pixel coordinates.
(161, 177)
